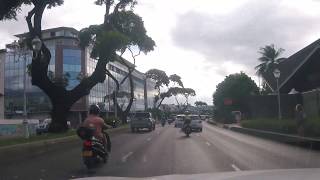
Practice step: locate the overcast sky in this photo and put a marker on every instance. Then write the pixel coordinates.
(200, 40)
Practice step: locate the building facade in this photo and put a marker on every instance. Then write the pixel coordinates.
(2, 57)
(70, 61)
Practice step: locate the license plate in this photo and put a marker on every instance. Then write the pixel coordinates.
(87, 153)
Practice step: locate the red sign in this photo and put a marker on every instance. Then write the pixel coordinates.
(227, 101)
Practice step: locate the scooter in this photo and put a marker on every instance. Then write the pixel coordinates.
(93, 150)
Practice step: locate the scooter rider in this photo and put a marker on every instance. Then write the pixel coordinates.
(95, 121)
(187, 120)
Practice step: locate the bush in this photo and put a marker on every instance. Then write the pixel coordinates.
(312, 128)
(287, 126)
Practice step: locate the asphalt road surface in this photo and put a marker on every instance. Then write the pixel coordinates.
(167, 151)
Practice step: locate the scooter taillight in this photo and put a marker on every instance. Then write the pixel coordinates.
(87, 143)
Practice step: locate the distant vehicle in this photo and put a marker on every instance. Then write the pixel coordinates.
(179, 121)
(43, 126)
(196, 123)
(170, 120)
(142, 120)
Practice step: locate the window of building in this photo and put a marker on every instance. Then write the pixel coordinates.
(52, 34)
(72, 66)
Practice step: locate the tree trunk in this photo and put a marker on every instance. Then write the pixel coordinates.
(59, 114)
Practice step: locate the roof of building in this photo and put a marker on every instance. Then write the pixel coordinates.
(289, 66)
(51, 30)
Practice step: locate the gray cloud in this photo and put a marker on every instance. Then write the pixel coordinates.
(236, 37)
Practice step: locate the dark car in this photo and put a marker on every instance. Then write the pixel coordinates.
(141, 120)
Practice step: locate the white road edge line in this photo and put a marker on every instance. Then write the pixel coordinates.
(124, 158)
(208, 143)
(235, 167)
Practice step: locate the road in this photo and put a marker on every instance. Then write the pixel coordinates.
(167, 151)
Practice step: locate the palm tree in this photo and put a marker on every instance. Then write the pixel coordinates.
(269, 58)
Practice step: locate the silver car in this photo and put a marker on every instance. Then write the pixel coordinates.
(196, 123)
(179, 121)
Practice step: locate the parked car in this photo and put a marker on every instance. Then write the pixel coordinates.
(43, 126)
(196, 123)
(141, 120)
(179, 121)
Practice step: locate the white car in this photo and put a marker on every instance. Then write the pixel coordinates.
(196, 123)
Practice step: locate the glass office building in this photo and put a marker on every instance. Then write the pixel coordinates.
(67, 60)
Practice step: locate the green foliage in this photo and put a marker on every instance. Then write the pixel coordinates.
(200, 103)
(269, 58)
(176, 79)
(121, 30)
(181, 91)
(10, 8)
(312, 127)
(159, 76)
(236, 87)
(287, 126)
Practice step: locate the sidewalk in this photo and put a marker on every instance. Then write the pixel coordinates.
(312, 143)
(19, 152)
(42, 141)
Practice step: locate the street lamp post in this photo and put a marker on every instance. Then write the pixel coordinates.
(17, 47)
(276, 74)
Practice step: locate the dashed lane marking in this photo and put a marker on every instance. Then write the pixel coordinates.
(208, 143)
(144, 159)
(149, 139)
(125, 157)
(235, 167)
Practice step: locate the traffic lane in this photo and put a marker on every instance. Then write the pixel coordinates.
(63, 162)
(252, 153)
(170, 152)
(124, 147)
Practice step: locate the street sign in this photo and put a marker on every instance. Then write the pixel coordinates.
(228, 101)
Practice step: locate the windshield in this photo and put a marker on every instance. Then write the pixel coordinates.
(148, 88)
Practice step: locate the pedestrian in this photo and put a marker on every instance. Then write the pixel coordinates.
(300, 119)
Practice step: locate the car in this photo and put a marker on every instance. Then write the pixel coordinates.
(196, 123)
(170, 120)
(179, 121)
(141, 120)
(43, 126)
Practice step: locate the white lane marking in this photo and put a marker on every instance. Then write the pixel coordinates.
(149, 139)
(125, 157)
(235, 167)
(144, 159)
(208, 143)
(197, 134)
(158, 132)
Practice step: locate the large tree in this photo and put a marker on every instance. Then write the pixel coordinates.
(200, 103)
(270, 57)
(232, 93)
(182, 92)
(121, 29)
(161, 81)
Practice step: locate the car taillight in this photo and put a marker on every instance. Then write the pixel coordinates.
(87, 143)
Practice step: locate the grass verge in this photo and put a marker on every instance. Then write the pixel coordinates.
(34, 138)
(286, 126)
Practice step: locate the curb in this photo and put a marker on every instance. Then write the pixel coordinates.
(19, 152)
(284, 138)
(43, 143)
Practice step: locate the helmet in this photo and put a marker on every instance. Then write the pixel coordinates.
(94, 109)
